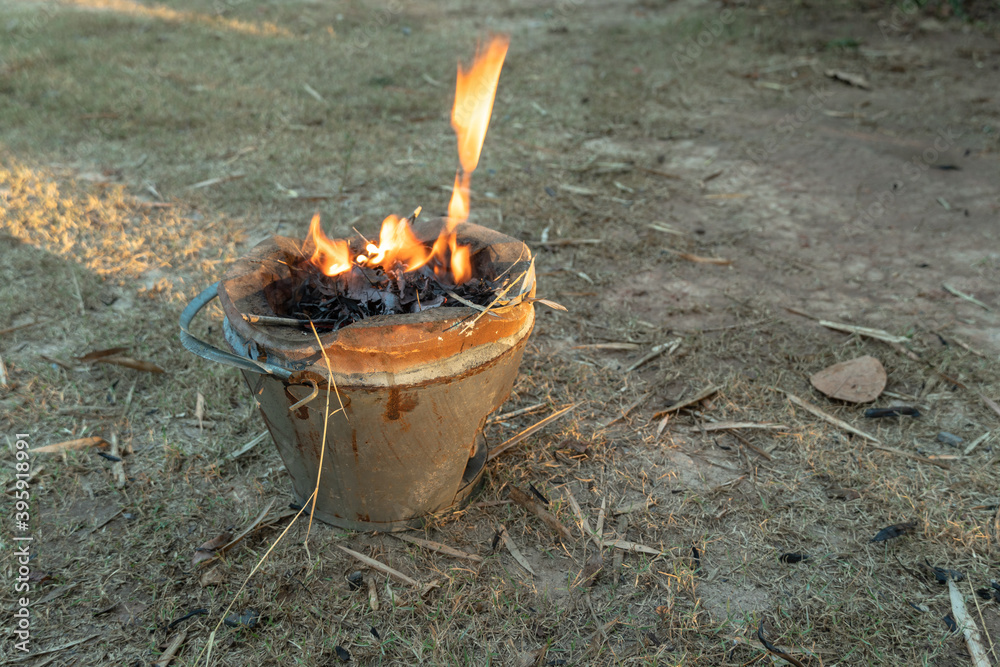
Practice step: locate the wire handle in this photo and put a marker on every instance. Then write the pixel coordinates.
(212, 353)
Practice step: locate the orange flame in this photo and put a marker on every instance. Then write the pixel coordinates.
(332, 257)
(398, 247)
(475, 90)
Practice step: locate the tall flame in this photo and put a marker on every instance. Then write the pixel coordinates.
(475, 90)
(398, 247)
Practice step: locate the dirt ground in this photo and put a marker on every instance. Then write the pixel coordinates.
(732, 185)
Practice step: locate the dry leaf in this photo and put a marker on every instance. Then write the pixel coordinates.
(129, 362)
(91, 357)
(592, 569)
(894, 531)
(212, 576)
(208, 549)
(857, 381)
(844, 494)
(70, 445)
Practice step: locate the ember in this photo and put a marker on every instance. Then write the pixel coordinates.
(343, 281)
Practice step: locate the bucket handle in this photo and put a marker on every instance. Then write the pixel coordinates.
(212, 353)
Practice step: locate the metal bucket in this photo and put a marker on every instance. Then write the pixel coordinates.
(416, 389)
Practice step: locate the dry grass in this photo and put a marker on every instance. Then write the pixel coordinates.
(114, 109)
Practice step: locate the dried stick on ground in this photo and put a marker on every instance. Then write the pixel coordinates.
(531, 430)
(667, 348)
(381, 567)
(529, 503)
(171, 650)
(584, 523)
(873, 442)
(256, 523)
(877, 334)
(514, 551)
(437, 546)
(700, 396)
(968, 627)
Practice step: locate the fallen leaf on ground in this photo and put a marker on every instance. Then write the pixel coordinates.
(792, 559)
(894, 531)
(949, 621)
(70, 445)
(254, 525)
(129, 362)
(355, 580)
(844, 494)
(247, 619)
(857, 381)
(91, 357)
(212, 577)
(943, 574)
(208, 549)
(592, 570)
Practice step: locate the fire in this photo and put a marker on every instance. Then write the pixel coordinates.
(475, 90)
(332, 257)
(398, 248)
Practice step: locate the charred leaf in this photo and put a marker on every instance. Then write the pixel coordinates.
(894, 531)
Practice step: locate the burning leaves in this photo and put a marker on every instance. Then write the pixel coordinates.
(400, 274)
(364, 292)
(398, 251)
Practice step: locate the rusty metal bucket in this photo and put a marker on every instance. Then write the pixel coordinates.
(416, 389)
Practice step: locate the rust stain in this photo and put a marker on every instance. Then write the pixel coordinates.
(354, 444)
(364, 517)
(398, 403)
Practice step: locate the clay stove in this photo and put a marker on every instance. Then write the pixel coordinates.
(412, 390)
(416, 388)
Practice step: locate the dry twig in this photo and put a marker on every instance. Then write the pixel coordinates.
(872, 440)
(667, 348)
(529, 503)
(700, 396)
(437, 546)
(381, 567)
(528, 432)
(973, 639)
(877, 334)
